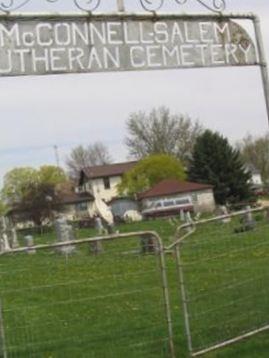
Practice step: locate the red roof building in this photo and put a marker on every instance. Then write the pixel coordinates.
(172, 196)
(173, 186)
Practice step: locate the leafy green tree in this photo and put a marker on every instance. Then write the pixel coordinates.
(33, 190)
(16, 184)
(216, 162)
(255, 151)
(150, 171)
(3, 208)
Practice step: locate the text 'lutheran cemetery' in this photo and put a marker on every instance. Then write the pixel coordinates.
(62, 46)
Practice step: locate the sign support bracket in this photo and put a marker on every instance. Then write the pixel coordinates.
(120, 4)
(262, 60)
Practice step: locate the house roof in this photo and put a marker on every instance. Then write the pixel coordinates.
(108, 170)
(74, 198)
(173, 186)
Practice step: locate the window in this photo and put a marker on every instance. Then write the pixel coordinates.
(183, 201)
(168, 203)
(81, 206)
(106, 182)
(194, 197)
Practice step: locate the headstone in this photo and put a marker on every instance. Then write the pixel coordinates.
(96, 247)
(248, 220)
(29, 242)
(14, 243)
(267, 214)
(8, 236)
(4, 244)
(148, 244)
(189, 221)
(223, 211)
(64, 233)
(99, 226)
(182, 215)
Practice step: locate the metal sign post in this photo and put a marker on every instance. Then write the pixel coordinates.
(121, 7)
(44, 44)
(262, 60)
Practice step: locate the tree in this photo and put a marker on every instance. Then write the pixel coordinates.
(33, 191)
(82, 157)
(161, 132)
(255, 151)
(150, 171)
(14, 184)
(215, 162)
(3, 208)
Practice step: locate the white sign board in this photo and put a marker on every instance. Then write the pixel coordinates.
(41, 46)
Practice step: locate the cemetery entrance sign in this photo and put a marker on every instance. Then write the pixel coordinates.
(42, 45)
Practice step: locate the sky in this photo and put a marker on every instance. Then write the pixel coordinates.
(38, 113)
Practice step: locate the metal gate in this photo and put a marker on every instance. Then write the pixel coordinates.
(109, 298)
(223, 270)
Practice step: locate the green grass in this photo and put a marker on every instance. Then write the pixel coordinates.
(111, 305)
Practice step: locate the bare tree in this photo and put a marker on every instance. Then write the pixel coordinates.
(82, 157)
(161, 132)
(255, 151)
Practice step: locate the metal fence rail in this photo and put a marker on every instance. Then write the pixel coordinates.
(108, 298)
(223, 273)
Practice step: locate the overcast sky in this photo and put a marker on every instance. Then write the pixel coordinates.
(67, 110)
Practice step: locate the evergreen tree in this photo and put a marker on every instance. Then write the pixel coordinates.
(216, 162)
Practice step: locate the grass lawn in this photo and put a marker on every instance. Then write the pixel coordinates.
(111, 305)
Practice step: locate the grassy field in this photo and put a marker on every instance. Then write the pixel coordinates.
(111, 305)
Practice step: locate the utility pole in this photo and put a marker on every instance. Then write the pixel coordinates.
(263, 63)
(57, 155)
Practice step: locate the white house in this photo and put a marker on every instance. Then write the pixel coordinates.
(256, 178)
(103, 180)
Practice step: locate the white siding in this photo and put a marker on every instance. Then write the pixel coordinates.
(73, 213)
(96, 186)
(256, 179)
(205, 201)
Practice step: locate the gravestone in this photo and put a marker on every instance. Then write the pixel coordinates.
(96, 247)
(29, 242)
(8, 236)
(248, 220)
(267, 214)
(223, 211)
(64, 233)
(189, 221)
(4, 244)
(182, 215)
(148, 244)
(14, 243)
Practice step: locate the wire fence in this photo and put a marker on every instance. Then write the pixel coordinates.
(104, 297)
(118, 296)
(224, 279)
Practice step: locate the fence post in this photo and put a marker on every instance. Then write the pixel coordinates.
(2, 333)
(166, 295)
(183, 297)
